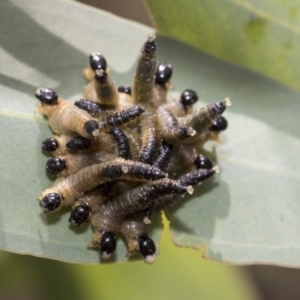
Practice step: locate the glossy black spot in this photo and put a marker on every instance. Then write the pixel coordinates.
(163, 73)
(50, 202)
(79, 214)
(188, 97)
(147, 246)
(49, 145)
(125, 89)
(91, 126)
(202, 162)
(97, 61)
(107, 244)
(47, 96)
(78, 143)
(219, 124)
(55, 165)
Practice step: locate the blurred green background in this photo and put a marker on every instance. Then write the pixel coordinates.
(177, 274)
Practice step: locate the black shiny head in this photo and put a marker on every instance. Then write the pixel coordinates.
(47, 96)
(79, 214)
(97, 61)
(163, 73)
(202, 162)
(219, 124)
(55, 165)
(147, 248)
(107, 245)
(125, 89)
(91, 127)
(49, 145)
(50, 202)
(188, 97)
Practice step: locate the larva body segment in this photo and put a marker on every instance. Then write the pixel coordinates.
(150, 133)
(134, 140)
(95, 109)
(142, 89)
(105, 89)
(121, 118)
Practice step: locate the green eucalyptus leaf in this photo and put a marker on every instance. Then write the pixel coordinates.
(262, 35)
(248, 213)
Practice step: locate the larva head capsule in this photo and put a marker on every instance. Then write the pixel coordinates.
(219, 124)
(107, 245)
(49, 145)
(97, 61)
(147, 249)
(80, 214)
(163, 73)
(55, 165)
(188, 97)
(126, 89)
(202, 162)
(50, 202)
(47, 96)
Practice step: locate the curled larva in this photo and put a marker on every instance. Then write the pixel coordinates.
(64, 117)
(171, 131)
(110, 215)
(72, 187)
(203, 118)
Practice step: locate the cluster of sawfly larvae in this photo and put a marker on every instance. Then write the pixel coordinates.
(124, 154)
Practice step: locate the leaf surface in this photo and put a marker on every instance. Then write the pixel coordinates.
(248, 213)
(262, 35)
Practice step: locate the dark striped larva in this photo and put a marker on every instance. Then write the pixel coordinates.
(124, 154)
